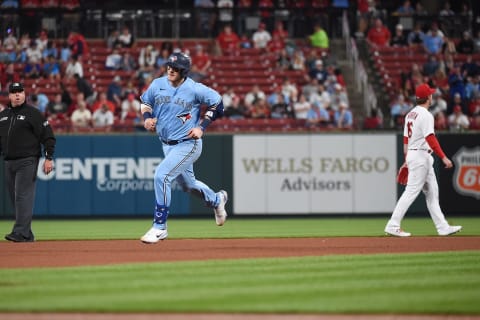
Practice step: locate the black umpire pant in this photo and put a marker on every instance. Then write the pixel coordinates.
(20, 177)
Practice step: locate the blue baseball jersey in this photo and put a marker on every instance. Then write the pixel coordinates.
(178, 109)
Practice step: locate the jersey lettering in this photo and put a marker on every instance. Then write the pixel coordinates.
(409, 128)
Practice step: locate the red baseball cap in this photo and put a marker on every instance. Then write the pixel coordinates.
(423, 91)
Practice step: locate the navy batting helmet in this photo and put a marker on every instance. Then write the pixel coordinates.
(180, 61)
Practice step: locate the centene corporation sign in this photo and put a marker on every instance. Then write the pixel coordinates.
(121, 174)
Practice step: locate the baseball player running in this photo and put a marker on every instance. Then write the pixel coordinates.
(418, 143)
(171, 107)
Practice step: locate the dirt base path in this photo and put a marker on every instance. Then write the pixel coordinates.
(79, 253)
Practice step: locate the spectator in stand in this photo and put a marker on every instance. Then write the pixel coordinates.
(471, 88)
(475, 123)
(343, 118)
(74, 105)
(301, 107)
(309, 88)
(81, 117)
(282, 60)
(289, 90)
(298, 60)
(254, 95)
(410, 80)
(281, 109)
(25, 41)
(440, 81)
(32, 70)
(131, 110)
(405, 9)
(280, 31)
(57, 109)
(78, 44)
(321, 97)
(431, 66)
(273, 97)
(415, 37)
(319, 38)
(474, 105)
(338, 97)
(112, 39)
(51, 69)
(456, 84)
(130, 87)
(318, 116)
(34, 54)
(201, 62)
(440, 121)
(398, 38)
(259, 109)
(458, 121)
(146, 61)
(245, 42)
(261, 37)
(65, 54)
(229, 97)
(277, 45)
(50, 50)
(446, 10)
(470, 68)
(378, 35)
(466, 45)
(113, 60)
(127, 62)
(103, 118)
(374, 121)
(10, 41)
(398, 110)
(433, 41)
(101, 101)
(237, 110)
(73, 67)
(42, 40)
(125, 39)
(457, 100)
(115, 92)
(438, 103)
(85, 87)
(318, 72)
(228, 41)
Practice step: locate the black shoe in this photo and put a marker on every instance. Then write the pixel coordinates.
(15, 237)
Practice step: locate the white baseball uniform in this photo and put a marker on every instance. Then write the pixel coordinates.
(419, 124)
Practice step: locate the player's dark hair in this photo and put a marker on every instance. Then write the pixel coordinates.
(421, 101)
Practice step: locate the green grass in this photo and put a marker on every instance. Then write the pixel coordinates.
(435, 283)
(431, 283)
(234, 228)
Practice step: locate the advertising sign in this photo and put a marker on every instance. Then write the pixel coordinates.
(305, 174)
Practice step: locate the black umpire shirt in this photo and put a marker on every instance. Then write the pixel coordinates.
(23, 130)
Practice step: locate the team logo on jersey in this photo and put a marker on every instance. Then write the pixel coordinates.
(20, 117)
(184, 117)
(466, 180)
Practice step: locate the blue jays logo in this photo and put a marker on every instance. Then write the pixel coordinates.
(173, 58)
(184, 117)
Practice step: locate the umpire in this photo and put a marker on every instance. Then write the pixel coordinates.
(23, 131)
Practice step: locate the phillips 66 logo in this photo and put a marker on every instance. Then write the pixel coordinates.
(466, 179)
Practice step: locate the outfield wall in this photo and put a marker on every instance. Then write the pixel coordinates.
(307, 174)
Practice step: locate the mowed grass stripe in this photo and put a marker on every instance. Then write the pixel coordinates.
(234, 228)
(433, 283)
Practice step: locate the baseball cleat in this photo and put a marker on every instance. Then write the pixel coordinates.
(397, 232)
(154, 235)
(449, 230)
(220, 213)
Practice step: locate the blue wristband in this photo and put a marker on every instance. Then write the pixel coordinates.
(205, 123)
(147, 115)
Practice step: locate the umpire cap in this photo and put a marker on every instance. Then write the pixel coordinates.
(180, 61)
(15, 87)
